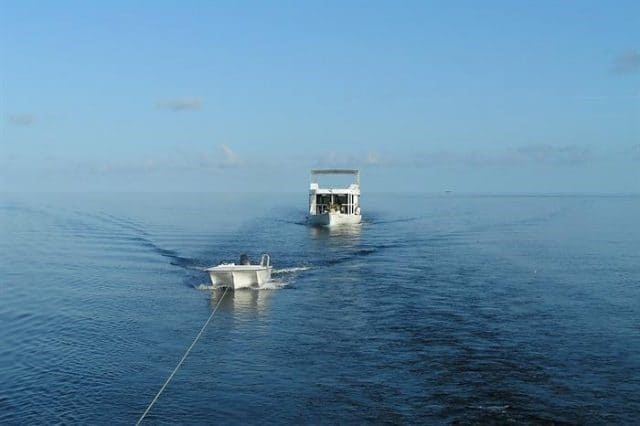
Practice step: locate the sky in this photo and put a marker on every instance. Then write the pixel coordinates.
(422, 96)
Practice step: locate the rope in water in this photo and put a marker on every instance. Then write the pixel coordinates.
(183, 358)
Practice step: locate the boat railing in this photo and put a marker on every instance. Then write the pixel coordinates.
(343, 208)
(265, 260)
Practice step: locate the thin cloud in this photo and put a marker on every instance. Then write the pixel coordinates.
(344, 160)
(565, 154)
(534, 154)
(223, 158)
(627, 63)
(181, 104)
(214, 161)
(21, 119)
(229, 157)
(372, 159)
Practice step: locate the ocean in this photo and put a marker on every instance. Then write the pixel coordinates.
(437, 309)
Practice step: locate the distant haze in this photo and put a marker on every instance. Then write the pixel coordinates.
(249, 96)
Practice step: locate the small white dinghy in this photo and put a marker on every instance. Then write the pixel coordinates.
(242, 275)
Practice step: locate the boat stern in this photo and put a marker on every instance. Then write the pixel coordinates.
(331, 219)
(248, 278)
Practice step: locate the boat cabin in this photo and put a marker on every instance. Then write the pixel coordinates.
(343, 202)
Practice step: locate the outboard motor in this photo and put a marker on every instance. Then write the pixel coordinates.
(244, 260)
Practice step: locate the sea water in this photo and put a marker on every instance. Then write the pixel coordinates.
(436, 309)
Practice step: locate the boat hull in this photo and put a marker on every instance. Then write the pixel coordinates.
(240, 278)
(332, 219)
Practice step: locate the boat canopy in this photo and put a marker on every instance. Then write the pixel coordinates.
(353, 172)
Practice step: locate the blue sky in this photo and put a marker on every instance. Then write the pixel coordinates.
(512, 96)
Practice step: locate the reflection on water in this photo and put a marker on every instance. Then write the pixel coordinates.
(241, 300)
(347, 234)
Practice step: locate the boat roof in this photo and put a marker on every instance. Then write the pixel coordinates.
(335, 172)
(352, 172)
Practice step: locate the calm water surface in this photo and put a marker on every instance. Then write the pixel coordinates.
(437, 309)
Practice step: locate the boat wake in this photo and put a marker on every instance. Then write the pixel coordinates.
(273, 285)
(204, 287)
(291, 270)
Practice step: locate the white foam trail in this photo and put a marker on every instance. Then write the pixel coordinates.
(273, 285)
(289, 270)
(198, 268)
(204, 287)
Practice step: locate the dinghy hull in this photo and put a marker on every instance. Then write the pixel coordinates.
(235, 277)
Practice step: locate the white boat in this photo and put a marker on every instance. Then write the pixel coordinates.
(241, 275)
(334, 206)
